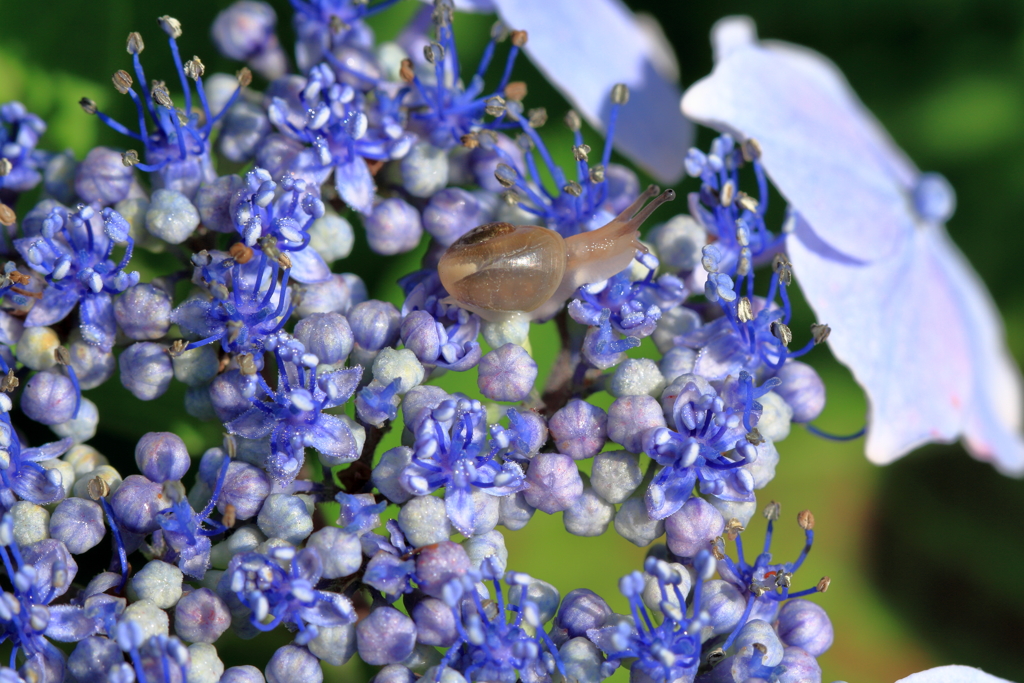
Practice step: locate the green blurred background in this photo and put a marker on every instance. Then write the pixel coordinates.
(925, 555)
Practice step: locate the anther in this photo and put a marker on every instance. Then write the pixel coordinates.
(781, 332)
(751, 149)
(581, 152)
(98, 488)
(177, 348)
(511, 198)
(406, 72)
(772, 511)
(760, 647)
(244, 76)
(19, 278)
(820, 332)
(246, 364)
(7, 215)
(728, 193)
(823, 584)
(284, 261)
(336, 25)
(194, 68)
(784, 579)
(806, 520)
(5, 166)
(240, 252)
(537, 117)
(733, 528)
(746, 202)
(718, 548)
(130, 158)
(505, 175)
(620, 93)
(754, 437)
(122, 81)
(495, 106)
(573, 188)
(715, 656)
(573, 121)
(268, 243)
(161, 94)
(597, 174)
(171, 26)
(182, 116)
(9, 382)
(470, 141)
(87, 105)
(519, 38)
(744, 311)
(228, 519)
(61, 355)
(515, 91)
(783, 268)
(135, 45)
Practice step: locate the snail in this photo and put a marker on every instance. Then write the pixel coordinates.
(500, 270)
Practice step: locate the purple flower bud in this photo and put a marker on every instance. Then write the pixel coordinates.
(231, 393)
(146, 370)
(629, 417)
(805, 625)
(92, 659)
(292, 663)
(438, 564)
(162, 456)
(137, 502)
(326, 335)
(143, 312)
(761, 632)
(244, 29)
(49, 398)
(799, 666)
(394, 673)
(451, 213)
(579, 429)
(581, 609)
(245, 487)
(724, 605)
(213, 201)
(102, 178)
(201, 616)
(420, 334)
(514, 512)
(435, 623)
(589, 515)
(341, 552)
(802, 389)
(386, 636)
(92, 364)
(394, 227)
(375, 324)
(554, 482)
(78, 523)
(242, 674)
(244, 127)
(693, 527)
(507, 373)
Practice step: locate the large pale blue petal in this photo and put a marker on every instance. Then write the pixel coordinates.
(308, 266)
(69, 624)
(97, 323)
(332, 438)
(952, 674)
(824, 151)
(252, 424)
(585, 47)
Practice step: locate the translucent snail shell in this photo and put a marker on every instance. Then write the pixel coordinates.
(499, 269)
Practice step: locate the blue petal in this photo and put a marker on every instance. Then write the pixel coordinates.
(458, 504)
(332, 610)
(333, 439)
(355, 184)
(609, 45)
(340, 385)
(194, 316)
(53, 307)
(308, 266)
(69, 624)
(252, 424)
(669, 490)
(48, 451)
(31, 484)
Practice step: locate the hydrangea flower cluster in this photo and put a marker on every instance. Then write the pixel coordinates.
(288, 355)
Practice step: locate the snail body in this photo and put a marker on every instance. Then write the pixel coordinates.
(499, 270)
